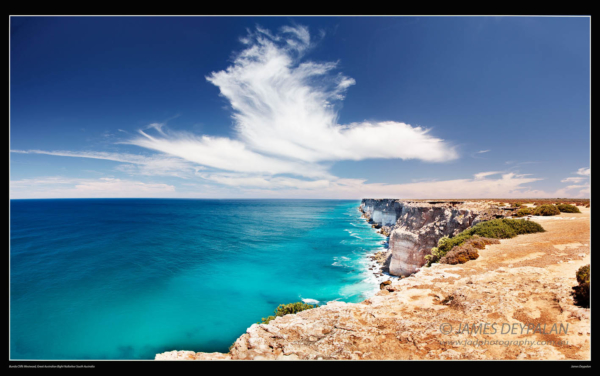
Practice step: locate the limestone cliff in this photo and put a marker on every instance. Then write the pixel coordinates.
(523, 282)
(415, 226)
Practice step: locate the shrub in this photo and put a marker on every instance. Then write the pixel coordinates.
(460, 255)
(467, 251)
(546, 210)
(524, 211)
(566, 208)
(581, 292)
(287, 309)
(496, 229)
(478, 242)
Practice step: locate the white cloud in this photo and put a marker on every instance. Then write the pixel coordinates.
(256, 186)
(57, 187)
(509, 185)
(572, 180)
(584, 189)
(285, 120)
(482, 175)
(160, 165)
(226, 154)
(285, 124)
(157, 126)
(584, 171)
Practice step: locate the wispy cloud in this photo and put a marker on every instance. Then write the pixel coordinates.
(573, 180)
(285, 111)
(285, 117)
(160, 165)
(482, 175)
(58, 187)
(584, 171)
(584, 189)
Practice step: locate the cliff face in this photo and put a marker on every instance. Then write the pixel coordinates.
(416, 226)
(520, 282)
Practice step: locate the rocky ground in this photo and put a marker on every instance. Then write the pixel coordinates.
(526, 280)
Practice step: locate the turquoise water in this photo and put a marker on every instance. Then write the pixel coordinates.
(129, 278)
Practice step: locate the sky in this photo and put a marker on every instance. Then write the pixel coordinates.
(299, 107)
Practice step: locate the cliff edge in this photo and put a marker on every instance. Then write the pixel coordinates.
(415, 226)
(523, 284)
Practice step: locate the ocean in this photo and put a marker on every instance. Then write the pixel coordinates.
(130, 278)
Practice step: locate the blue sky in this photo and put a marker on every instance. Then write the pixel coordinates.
(307, 107)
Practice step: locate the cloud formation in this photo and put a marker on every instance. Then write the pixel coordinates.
(584, 189)
(584, 171)
(158, 164)
(59, 187)
(286, 136)
(285, 116)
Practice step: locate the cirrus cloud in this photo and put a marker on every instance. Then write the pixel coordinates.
(285, 116)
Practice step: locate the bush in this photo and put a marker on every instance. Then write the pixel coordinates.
(581, 292)
(546, 210)
(287, 309)
(496, 229)
(566, 208)
(524, 211)
(467, 251)
(460, 255)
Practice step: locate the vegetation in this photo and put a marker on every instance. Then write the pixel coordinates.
(566, 208)
(581, 292)
(496, 229)
(546, 210)
(286, 309)
(524, 211)
(467, 251)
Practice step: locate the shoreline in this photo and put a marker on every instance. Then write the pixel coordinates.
(377, 261)
(512, 282)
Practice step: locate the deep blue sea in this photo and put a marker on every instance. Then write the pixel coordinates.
(130, 278)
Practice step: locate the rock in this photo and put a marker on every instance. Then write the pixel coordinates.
(419, 224)
(402, 321)
(383, 284)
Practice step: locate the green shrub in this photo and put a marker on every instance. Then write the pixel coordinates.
(546, 210)
(581, 292)
(566, 208)
(496, 229)
(524, 211)
(286, 309)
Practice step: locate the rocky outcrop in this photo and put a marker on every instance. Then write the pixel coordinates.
(415, 226)
(523, 282)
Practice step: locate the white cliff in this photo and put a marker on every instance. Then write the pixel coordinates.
(415, 226)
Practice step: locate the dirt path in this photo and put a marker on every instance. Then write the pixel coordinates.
(520, 287)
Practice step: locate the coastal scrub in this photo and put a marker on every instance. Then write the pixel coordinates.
(467, 251)
(287, 309)
(546, 210)
(524, 211)
(496, 229)
(581, 292)
(566, 208)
